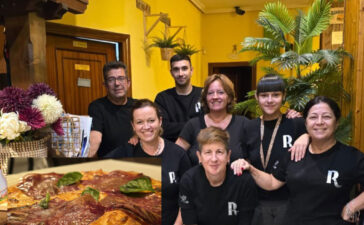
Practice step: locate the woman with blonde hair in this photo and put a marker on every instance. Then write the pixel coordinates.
(218, 100)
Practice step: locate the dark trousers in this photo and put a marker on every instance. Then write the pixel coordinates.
(269, 213)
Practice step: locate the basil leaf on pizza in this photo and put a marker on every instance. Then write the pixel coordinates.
(44, 202)
(93, 192)
(69, 178)
(138, 185)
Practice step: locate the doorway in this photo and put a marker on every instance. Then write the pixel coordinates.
(242, 74)
(75, 58)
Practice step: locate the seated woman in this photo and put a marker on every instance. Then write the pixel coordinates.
(217, 99)
(321, 182)
(210, 193)
(146, 122)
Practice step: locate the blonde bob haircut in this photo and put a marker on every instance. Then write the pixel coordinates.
(228, 87)
(211, 135)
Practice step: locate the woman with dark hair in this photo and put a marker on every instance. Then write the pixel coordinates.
(268, 140)
(146, 122)
(217, 99)
(210, 194)
(319, 184)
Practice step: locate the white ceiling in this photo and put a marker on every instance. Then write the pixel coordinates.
(224, 6)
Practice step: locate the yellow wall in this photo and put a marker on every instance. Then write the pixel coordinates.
(221, 31)
(122, 16)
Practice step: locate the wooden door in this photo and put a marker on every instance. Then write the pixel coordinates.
(75, 70)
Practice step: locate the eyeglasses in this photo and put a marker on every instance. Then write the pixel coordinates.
(112, 80)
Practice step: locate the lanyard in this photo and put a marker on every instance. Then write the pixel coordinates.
(265, 163)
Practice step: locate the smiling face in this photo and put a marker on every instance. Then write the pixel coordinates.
(117, 84)
(214, 158)
(217, 98)
(270, 103)
(181, 72)
(146, 123)
(321, 122)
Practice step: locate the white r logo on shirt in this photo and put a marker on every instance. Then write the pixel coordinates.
(332, 175)
(172, 177)
(287, 141)
(232, 209)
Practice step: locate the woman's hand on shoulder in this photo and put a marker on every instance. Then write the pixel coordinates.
(298, 150)
(134, 140)
(238, 166)
(291, 114)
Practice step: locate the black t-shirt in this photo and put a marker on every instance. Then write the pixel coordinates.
(232, 203)
(320, 184)
(174, 163)
(235, 130)
(289, 130)
(113, 121)
(177, 110)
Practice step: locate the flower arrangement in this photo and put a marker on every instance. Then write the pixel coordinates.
(26, 113)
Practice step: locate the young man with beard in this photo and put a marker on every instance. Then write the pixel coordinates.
(111, 117)
(181, 103)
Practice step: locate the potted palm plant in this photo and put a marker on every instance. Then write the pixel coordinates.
(166, 44)
(288, 46)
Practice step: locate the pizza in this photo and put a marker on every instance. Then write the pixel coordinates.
(88, 197)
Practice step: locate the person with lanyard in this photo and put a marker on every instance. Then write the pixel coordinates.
(147, 125)
(320, 184)
(218, 100)
(210, 194)
(268, 140)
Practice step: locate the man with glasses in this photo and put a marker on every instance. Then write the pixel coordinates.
(111, 117)
(181, 103)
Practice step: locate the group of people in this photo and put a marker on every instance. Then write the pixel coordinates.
(298, 172)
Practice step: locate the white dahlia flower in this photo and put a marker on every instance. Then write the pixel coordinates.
(49, 106)
(11, 127)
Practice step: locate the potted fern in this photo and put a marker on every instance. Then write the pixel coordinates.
(186, 49)
(288, 46)
(166, 44)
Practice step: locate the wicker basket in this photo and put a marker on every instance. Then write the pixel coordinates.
(24, 149)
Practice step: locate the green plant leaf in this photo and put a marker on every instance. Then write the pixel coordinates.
(93, 192)
(343, 131)
(45, 201)
(69, 178)
(277, 14)
(165, 42)
(138, 185)
(186, 49)
(318, 18)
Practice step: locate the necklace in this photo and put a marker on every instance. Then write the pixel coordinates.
(158, 151)
(265, 162)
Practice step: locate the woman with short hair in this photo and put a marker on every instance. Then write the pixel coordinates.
(210, 194)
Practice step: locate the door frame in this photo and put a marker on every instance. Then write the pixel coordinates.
(236, 64)
(73, 31)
